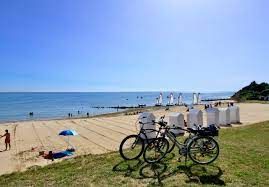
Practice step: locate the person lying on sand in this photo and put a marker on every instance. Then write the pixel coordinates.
(7, 140)
(47, 155)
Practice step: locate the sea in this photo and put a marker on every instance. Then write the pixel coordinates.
(16, 106)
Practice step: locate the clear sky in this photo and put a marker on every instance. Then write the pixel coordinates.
(135, 45)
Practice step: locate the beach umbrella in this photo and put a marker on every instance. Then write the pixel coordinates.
(68, 133)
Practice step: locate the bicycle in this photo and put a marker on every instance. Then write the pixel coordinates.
(132, 146)
(211, 130)
(201, 148)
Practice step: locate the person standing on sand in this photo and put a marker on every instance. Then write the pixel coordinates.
(7, 140)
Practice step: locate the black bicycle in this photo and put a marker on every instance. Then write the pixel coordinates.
(202, 148)
(211, 130)
(132, 147)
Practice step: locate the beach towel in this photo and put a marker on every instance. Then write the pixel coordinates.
(62, 154)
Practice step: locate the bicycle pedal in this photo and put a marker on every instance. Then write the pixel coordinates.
(179, 159)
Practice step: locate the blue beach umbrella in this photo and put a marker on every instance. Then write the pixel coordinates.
(68, 133)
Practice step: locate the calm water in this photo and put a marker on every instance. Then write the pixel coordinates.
(16, 106)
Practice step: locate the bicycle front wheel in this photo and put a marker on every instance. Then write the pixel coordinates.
(156, 150)
(132, 147)
(203, 150)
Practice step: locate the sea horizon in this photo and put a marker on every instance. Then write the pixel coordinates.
(16, 106)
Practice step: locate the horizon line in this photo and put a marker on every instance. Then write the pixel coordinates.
(111, 91)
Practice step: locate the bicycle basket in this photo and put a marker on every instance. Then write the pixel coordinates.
(209, 131)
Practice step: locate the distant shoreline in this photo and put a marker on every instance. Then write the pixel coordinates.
(109, 114)
(127, 111)
(16, 107)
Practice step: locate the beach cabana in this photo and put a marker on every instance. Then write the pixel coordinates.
(234, 114)
(176, 120)
(147, 119)
(224, 116)
(194, 117)
(212, 115)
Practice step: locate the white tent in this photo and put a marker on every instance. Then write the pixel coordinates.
(176, 120)
(147, 118)
(212, 116)
(234, 114)
(194, 117)
(224, 116)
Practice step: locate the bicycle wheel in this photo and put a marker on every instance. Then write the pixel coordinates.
(132, 147)
(156, 150)
(171, 144)
(203, 150)
(188, 140)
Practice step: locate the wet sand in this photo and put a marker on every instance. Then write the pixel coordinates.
(97, 135)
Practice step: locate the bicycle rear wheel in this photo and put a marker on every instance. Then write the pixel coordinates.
(156, 150)
(131, 147)
(203, 150)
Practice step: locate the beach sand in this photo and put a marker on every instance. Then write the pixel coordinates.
(97, 135)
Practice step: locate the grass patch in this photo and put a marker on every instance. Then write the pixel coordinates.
(243, 161)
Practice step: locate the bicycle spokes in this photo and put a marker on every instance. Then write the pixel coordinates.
(203, 150)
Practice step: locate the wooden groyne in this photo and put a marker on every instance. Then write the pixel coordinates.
(217, 99)
(121, 107)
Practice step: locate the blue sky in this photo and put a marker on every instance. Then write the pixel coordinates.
(180, 45)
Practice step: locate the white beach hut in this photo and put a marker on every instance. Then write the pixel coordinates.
(224, 116)
(234, 114)
(147, 119)
(194, 116)
(212, 116)
(176, 120)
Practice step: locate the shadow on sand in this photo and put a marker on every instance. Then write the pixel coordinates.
(158, 172)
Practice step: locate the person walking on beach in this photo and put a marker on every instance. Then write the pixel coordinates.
(7, 139)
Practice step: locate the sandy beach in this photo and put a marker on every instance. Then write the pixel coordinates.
(97, 135)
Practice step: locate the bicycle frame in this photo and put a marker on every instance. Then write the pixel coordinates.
(145, 131)
(173, 138)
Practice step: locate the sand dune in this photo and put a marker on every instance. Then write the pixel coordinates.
(96, 135)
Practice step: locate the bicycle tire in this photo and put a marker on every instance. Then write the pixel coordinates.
(156, 145)
(202, 151)
(138, 140)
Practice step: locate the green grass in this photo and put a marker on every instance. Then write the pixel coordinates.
(243, 161)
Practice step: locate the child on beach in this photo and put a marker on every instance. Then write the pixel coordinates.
(7, 140)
